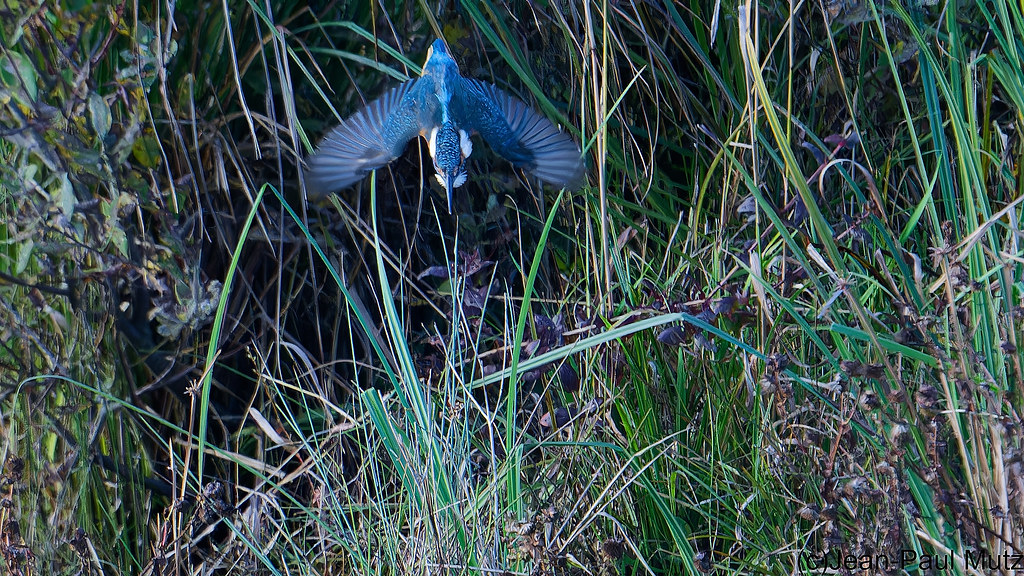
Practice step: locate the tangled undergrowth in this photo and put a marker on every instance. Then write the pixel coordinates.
(777, 331)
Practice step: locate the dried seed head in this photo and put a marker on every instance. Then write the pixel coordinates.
(830, 512)
(809, 512)
(613, 548)
(869, 400)
(898, 433)
(927, 396)
(855, 487)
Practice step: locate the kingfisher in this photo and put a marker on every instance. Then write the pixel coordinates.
(446, 109)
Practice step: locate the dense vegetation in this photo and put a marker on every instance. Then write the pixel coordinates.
(779, 327)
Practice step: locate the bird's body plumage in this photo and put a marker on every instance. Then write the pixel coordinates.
(444, 108)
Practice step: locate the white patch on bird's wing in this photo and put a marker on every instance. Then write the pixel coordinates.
(440, 179)
(466, 144)
(432, 142)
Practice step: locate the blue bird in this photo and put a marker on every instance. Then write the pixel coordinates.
(445, 108)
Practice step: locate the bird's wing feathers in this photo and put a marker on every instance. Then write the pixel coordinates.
(372, 137)
(520, 134)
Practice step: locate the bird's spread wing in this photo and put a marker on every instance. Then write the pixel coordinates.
(519, 133)
(372, 137)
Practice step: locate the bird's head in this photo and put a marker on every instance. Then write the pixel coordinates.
(439, 61)
(449, 148)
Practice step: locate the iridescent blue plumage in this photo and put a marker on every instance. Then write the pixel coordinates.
(444, 108)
